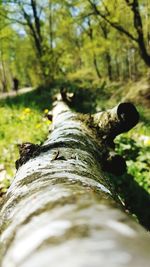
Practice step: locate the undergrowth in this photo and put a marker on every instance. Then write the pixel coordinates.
(22, 119)
(135, 148)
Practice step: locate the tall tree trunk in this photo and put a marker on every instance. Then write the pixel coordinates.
(60, 209)
(96, 66)
(91, 36)
(105, 32)
(4, 80)
(109, 67)
(117, 68)
(51, 25)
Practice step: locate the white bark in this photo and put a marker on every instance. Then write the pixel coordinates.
(60, 211)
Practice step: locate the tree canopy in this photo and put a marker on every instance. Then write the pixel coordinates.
(41, 41)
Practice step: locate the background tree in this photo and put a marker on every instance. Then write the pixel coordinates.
(75, 39)
(109, 12)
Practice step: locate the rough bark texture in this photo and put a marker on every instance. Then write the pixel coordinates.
(60, 209)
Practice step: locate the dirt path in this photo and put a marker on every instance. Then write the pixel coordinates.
(13, 93)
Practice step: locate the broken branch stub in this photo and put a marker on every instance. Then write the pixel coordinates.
(116, 121)
(109, 124)
(127, 115)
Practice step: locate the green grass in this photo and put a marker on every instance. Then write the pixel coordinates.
(22, 119)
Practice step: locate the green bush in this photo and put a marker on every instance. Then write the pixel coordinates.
(137, 155)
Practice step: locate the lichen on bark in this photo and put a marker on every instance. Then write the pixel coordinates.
(61, 209)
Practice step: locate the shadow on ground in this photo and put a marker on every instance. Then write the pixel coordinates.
(42, 97)
(39, 99)
(135, 198)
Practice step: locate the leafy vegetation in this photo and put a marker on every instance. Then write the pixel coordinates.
(137, 154)
(23, 119)
(44, 41)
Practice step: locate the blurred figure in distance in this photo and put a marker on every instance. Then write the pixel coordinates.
(15, 84)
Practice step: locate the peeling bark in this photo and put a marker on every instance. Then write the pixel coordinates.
(61, 209)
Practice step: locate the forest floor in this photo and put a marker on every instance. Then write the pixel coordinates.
(14, 93)
(23, 119)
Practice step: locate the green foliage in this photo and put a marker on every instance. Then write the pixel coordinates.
(22, 120)
(29, 126)
(67, 38)
(137, 154)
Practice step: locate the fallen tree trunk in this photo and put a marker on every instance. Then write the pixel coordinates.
(61, 209)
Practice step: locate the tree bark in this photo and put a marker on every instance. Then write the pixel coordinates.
(60, 209)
